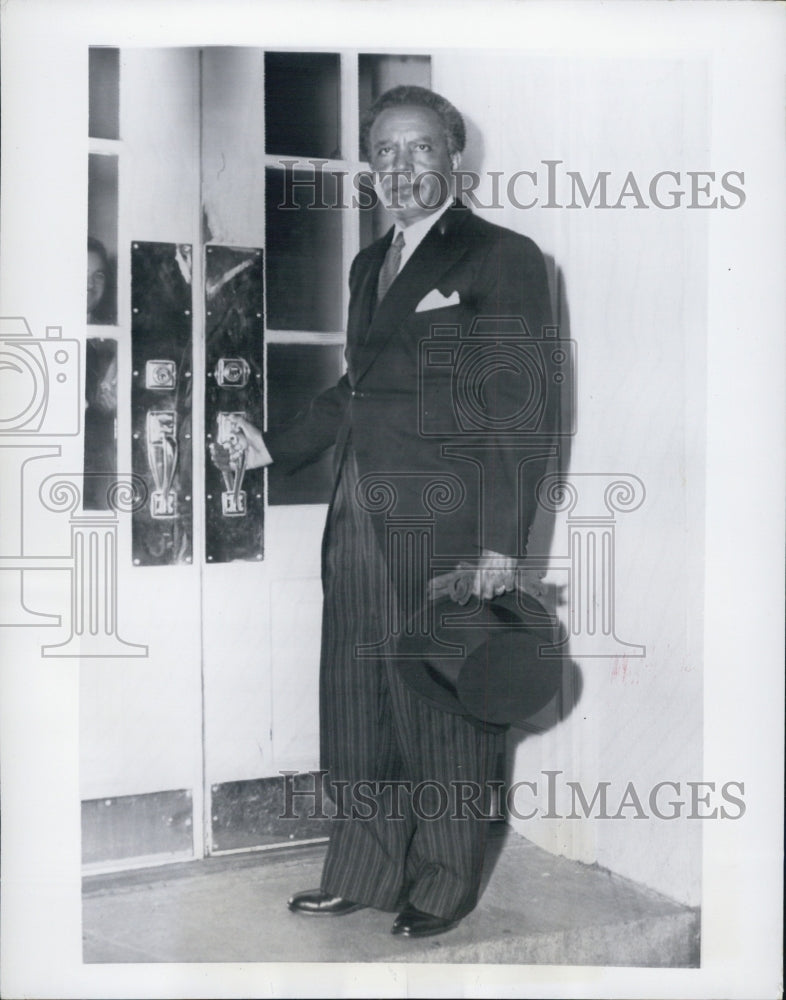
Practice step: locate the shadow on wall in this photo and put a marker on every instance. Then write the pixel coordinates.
(541, 540)
(541, 536)
(555, 597)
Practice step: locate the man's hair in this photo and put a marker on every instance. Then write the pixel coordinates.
(420, 97)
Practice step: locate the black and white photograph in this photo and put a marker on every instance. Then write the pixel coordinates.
(392, 522)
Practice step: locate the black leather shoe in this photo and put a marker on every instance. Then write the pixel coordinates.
(414, 923)
(318, 903)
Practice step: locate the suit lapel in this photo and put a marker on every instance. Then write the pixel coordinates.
(442, 246)
(364, 299)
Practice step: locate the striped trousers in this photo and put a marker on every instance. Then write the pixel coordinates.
(374, 730)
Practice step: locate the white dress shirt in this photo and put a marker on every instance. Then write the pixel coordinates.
(416, 233)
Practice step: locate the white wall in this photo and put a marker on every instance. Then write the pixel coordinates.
(634, 283)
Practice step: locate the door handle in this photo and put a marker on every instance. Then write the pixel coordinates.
(234, 309)
(162, 455)
(233, 499)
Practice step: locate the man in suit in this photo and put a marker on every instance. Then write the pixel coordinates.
(438, 312)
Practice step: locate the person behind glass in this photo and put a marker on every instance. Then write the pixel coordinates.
(100, 458)
(438, 264)
(99, 308)
(100, 454)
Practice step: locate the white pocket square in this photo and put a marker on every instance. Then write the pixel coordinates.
(436, 300)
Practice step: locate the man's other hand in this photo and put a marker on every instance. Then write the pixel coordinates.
(245, 438)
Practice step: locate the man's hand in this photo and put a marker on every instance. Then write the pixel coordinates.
(491, 576)
(495, 575)
(245, 438)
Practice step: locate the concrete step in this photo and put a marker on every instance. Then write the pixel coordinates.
(535, 909)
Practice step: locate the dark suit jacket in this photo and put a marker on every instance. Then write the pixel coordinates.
(429, 397)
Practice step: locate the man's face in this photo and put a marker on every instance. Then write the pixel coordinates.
(409, 150)
(96, 280)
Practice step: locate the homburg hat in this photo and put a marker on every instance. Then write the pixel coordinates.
(494, 661)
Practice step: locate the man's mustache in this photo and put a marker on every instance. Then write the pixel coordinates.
(395, 184)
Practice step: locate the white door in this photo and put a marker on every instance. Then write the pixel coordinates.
(182, 750)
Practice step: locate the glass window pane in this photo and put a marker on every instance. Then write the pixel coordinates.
(102, 239)
(304, 264)
(302, 104)
(104, 84)
(295, 374)
(100, 421)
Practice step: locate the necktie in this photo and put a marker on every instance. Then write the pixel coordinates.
(390, 266)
